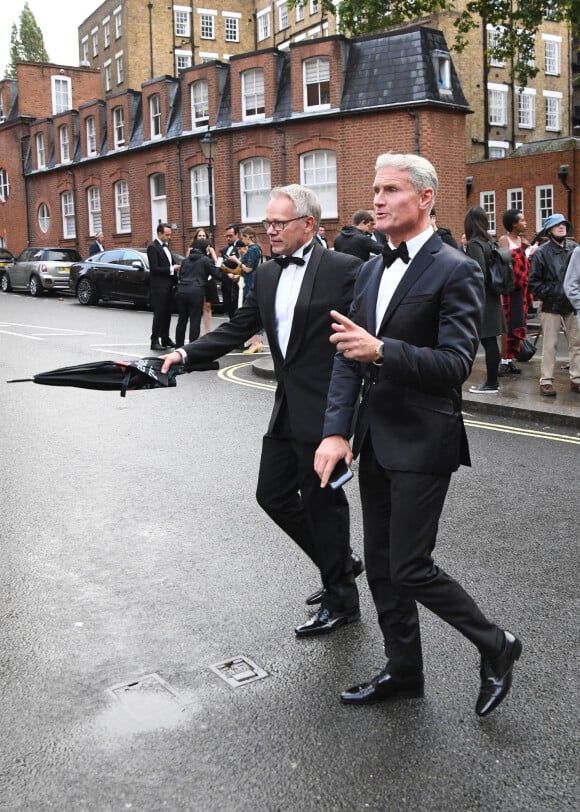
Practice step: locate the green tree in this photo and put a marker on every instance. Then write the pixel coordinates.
(26, 42)
(517, 23)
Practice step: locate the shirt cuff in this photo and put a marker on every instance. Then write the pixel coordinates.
(183, 354)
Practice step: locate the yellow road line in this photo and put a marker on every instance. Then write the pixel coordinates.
(230, 374)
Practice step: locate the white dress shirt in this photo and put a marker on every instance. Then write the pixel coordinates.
(393, 274)
(287, 292)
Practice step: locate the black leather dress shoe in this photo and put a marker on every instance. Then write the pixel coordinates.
(167, 342)
(496, 676)
(326, 621)
(384, 686)
(157, 346)
(358, 568)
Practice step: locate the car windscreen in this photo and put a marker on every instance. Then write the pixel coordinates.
(62, 255)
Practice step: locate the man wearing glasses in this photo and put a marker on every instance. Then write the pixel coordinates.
(291, 300)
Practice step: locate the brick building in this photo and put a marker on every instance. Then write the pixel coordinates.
(317, 113)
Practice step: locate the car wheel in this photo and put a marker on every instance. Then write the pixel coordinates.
(35, 286)
(86, 293)
(5, 282)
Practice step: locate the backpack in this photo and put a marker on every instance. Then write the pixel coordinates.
(501, 270)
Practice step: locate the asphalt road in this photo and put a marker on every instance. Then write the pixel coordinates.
(134, 558)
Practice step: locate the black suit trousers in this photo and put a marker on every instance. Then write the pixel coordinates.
(162, 303)
(190, 306)
(401, 513)
(316, 518)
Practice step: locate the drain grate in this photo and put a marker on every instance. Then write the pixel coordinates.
(238, 671)
(146, 697)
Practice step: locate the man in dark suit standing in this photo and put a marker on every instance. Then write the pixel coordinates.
(412, 335)
(357, 239)
(162, 280)
(230, 284)
(98, 245)
(291, 299)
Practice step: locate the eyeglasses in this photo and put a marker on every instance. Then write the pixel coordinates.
(280, 225)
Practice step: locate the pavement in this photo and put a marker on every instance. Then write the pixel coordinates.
(518, 397)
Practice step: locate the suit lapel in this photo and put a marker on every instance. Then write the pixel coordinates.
(373, 284)
(269, 277)
(300, 317)
(417, 268)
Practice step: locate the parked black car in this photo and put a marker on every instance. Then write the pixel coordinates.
(117, 275)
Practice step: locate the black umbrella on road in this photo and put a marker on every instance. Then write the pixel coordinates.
(116, 376)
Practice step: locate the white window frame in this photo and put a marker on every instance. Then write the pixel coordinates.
(40, 150)
(207, 23)
(119, 127)
(108, 75)
(442, 67)
(43, 218)
(118, 22)
(544, 203)
(526, 107)
(94, 210)
(253, 94)
(552, 54)
(85, 51)
(488, 204)
(497, 104)
(498, 149)
(231, 26)
(283, 16)
(182, 60)
(199, 96)
(91, 133)
(553, 99)
(299, 9)
(106, 32)
(182, 21)
(199, 195)
(61, 94)
(155, 116)
(4, 185)
(255, 186)
(67, 203)
(314, 9)
(493, 34)
(515, 198)
(64, 144)
(264, 25)
(122, 207)
(317, 70)
(95, 41)
(119, 67)
(318, 172)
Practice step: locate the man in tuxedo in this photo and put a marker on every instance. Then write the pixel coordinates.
(291, 299)
(230, 287)
(357, 238)
(412, 335)
(162, 280)
(98, 245)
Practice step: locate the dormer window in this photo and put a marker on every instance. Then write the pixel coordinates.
(317, 83)
(253, 93)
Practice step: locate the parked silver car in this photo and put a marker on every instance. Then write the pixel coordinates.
(39, 269)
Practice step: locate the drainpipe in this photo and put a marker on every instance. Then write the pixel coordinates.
(150, 7)
(74, 194)
(283, 133)
(180, 184)
(25, 176)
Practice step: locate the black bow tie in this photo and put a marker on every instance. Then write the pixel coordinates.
(391, 254)
(283, 262)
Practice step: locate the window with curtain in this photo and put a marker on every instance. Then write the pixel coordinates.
(317, 83)
(318, 172)
(199, 195)
(199, 104)
(253, 93)
(68, 215)
(255, 185)
(122, 208)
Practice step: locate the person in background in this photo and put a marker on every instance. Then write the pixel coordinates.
(291, 298)
(163, 278)
(193, 276)
(211, 290)
(230, 280)
(463, 243)
(412, 335)
(444, 233)
(479, 244)
(548, 266)
(572, 287)
(98, 245)
(356, 239)
(515, 304)
(321, 236)
(251, 260)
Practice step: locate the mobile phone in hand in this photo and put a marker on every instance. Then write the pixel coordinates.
(340, 476)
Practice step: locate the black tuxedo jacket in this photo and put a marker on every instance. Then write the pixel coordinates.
(159, 267)
(303, 375)
(411, 403)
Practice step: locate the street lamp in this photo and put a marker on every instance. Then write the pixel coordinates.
(209, 149)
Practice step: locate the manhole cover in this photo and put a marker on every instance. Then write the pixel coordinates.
(239, 671)
(148, 696)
